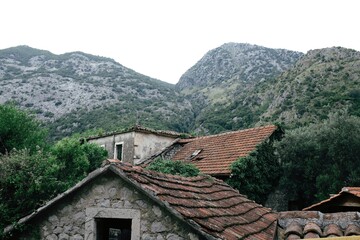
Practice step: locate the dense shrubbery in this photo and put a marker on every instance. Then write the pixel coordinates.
(258, 174)
(174, 167)
(31, 171)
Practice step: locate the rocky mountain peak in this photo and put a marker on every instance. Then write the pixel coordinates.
(239, 61)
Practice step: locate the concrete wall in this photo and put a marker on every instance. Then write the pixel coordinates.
(127, 139)
(136, 145)
(147, 144)
(108, 196)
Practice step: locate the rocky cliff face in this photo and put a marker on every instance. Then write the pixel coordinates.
(85, 89)
(225, 75)
(239, 62)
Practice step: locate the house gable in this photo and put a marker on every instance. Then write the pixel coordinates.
(74, 214)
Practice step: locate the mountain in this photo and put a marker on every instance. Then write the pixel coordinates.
(321, 82)
(232, 87)
(226, 74)
(75, 92)
(237, 62)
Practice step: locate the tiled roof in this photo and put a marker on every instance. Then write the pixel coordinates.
(214, 154)
(208, 203)
(211, 207)
(338, 201)
(314, 224)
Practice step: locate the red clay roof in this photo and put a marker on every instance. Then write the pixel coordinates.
(218, 152)
(209, 203)
(314, 224)
(334, 200)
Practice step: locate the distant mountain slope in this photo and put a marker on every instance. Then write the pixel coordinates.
(78, 91)
(237, 62)
(232, 87)
(225, 75)
(322, 81)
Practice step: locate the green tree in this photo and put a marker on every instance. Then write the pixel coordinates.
(95, 155)
(174, 167)
(321, 158)
(256, 175)
(76, 159)
(26, 182)
(30, 171)
(19, 130)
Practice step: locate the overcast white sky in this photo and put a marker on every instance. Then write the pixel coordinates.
(164, 38)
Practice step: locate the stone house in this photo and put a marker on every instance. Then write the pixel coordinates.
(134, 144)
(214, 154)
(121, 201)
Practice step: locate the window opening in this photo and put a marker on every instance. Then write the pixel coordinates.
(118, 152)
(113, 229)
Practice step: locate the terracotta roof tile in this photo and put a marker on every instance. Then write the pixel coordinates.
(313, 224)
(352, 229)
(212, 205)
(312, 228)
(216, 153)
(332, 230)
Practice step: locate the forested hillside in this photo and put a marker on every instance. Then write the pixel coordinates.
(321, 82)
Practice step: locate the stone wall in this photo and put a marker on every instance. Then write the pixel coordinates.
(67, 219)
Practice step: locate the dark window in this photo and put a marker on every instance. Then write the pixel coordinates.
(119, 151)
(113, 229)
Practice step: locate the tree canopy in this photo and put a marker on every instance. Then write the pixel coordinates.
(320, 159)
(19, 130)
(32, 171)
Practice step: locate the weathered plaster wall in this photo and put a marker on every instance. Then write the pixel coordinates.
(147, 144)
(109, 143)
(66, 219)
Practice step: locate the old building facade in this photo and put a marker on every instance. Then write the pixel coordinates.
(135, 144)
